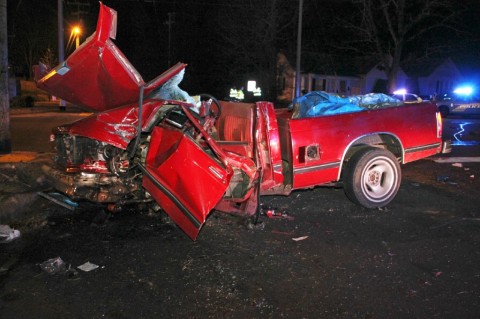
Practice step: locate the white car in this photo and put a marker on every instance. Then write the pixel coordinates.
(408, 98)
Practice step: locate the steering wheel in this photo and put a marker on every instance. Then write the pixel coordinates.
(210, 108)
(210, 111)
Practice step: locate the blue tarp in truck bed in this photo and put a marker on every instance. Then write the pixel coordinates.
(318, 103)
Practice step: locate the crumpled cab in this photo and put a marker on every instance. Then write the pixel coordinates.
(151, 144)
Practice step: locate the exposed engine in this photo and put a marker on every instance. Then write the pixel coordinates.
(96, 171)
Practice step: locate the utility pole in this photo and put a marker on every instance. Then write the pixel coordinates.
(61, 45)
(298, 76)
(5, 138)
(61, 32)
(61, 49)
(79, 4)
(169, 22)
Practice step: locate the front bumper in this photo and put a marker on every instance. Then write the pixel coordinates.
(99, 188)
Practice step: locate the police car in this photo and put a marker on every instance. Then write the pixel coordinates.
(462, 101)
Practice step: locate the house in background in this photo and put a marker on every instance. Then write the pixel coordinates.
(375, 80)
(434, 77)
(361, 76)
(345, 85)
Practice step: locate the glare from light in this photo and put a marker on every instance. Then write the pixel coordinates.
(464, 90)
(75, 33)
(400, 92)
(251, 85)
(76, 30)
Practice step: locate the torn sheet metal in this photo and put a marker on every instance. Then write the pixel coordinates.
(59, 199)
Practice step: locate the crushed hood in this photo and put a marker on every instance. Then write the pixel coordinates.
(98, 76)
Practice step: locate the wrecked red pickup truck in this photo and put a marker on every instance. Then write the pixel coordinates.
(153, 144)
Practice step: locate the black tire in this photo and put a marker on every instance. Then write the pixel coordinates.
(372, 177)
(444, 110)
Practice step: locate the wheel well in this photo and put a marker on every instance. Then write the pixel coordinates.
(385, 141)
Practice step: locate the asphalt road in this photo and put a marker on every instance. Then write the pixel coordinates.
(31, 132)
(416, 258)
(464, 133)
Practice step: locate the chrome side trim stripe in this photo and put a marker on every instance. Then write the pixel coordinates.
(422, 148)
(315, 168)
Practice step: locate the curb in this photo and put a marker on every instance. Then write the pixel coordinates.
(45, 109)
(18, 157)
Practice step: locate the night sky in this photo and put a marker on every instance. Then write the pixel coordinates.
(199, 35)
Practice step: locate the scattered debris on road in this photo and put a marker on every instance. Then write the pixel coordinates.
(300, 238)
(7, 234)
(59, 199)
(54, 266)
(88, 266)
(271, 213)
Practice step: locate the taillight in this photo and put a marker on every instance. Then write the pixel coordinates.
(439, 125)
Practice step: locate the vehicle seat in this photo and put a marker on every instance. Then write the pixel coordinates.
(235, 128)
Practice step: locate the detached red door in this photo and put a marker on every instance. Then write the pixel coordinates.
(184, 180)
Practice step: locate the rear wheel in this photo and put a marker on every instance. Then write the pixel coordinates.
(372, 177)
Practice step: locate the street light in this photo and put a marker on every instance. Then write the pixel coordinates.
(76, 32)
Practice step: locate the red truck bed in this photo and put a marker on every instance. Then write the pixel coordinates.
(316, 148)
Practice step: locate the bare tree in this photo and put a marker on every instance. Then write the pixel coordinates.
(31, 33)
(5, 141)
(384, 29)
(253, 32)
(49, 58)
